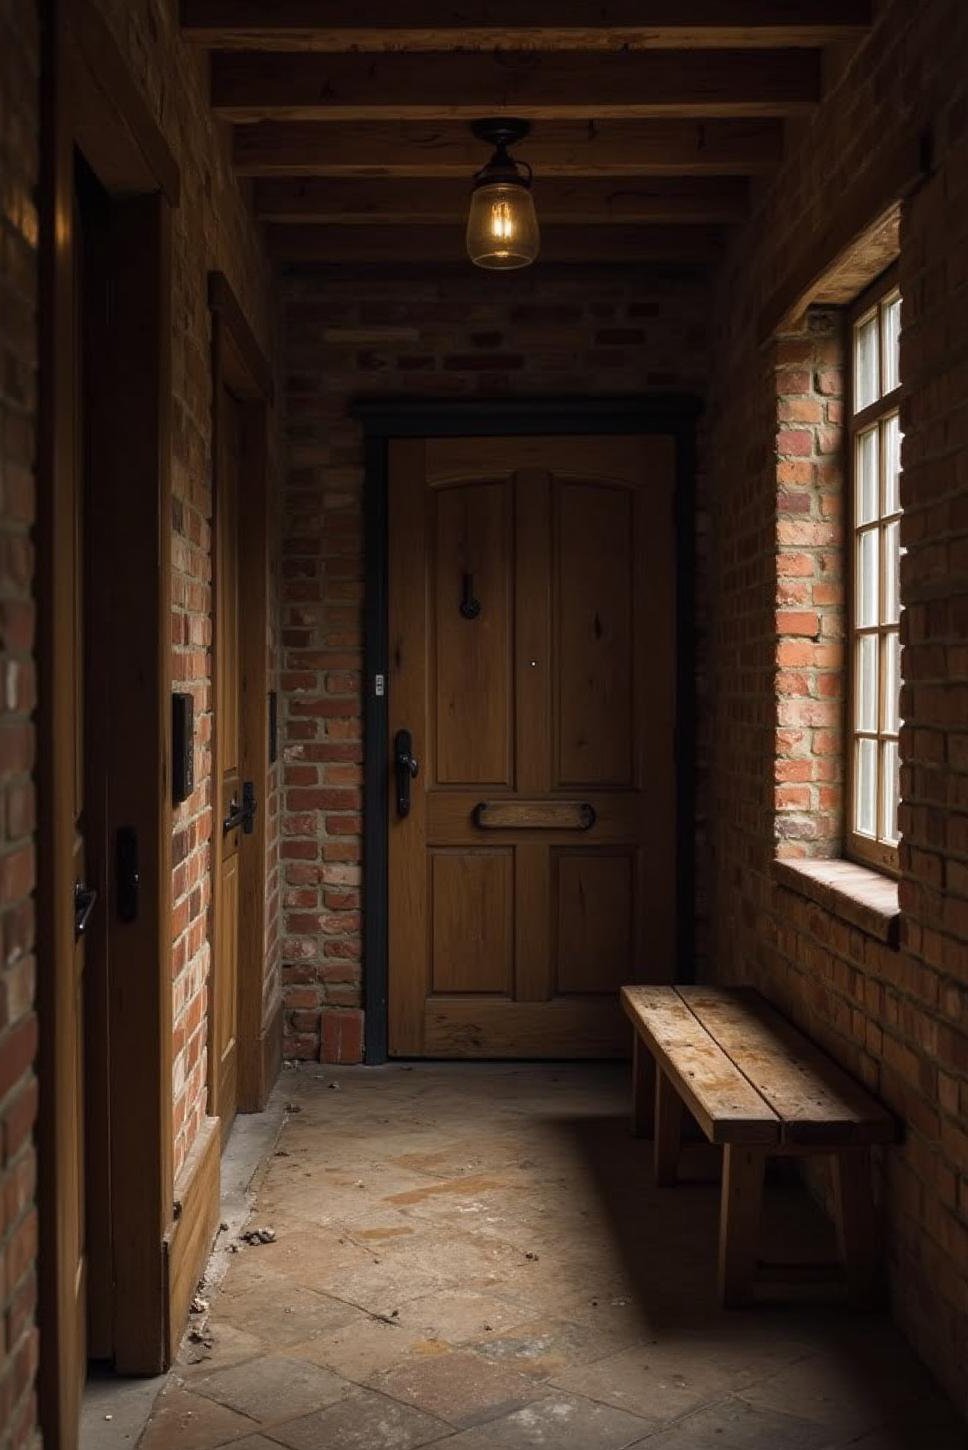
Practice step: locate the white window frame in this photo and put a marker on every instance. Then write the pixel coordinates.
(877, 848)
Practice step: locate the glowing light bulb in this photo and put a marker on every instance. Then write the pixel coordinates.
(502, 228)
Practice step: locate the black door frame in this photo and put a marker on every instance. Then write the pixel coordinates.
(668, 414)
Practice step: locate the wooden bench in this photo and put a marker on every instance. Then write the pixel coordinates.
(757, 1086)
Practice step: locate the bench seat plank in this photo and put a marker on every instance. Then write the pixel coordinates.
(724, 1103)
(814, 1099)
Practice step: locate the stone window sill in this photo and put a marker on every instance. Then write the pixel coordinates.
(866, 899)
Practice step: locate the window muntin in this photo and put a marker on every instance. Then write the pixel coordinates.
(874, 443)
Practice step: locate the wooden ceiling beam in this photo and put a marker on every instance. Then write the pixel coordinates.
(555, 148)
(419, 246)
(258, 85)
(423, 25)
(346, 202)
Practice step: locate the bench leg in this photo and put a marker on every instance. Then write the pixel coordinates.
(668, 1130)
(739, 1222)
(643, 1090)
(857, 1229)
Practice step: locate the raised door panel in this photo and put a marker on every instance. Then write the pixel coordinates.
(595, 920)
(471, 915)
(472, 621)
(593, 606)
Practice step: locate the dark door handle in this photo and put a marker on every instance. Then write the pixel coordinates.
(85, 900)
(242, 815)
(407, 769)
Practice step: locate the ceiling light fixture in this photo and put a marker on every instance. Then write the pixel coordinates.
(502, 227)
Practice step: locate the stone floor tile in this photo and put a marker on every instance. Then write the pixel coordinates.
(254, 1442)
(461, 1388)
(281, 1313)
(547, 1347)
(830, 1390)
(363, 1421)
(315, 1258)
(191, 1422)
(381, 1228)
(734, 1425)
(368, 1346)
(382, 1287)
(273, 1387)
(658, 1381)
(462, 1315)
(223, 1344)
(558, 1422)
(622, 1316)
(474, 1260)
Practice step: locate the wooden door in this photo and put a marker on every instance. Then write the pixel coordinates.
(225, 995)
(94, 566)
(103, 546)
(84, 897)
(63, 876)
(532, 661)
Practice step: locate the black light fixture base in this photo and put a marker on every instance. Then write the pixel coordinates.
(500, 131)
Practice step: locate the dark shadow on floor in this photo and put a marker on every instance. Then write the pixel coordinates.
(667, 1239)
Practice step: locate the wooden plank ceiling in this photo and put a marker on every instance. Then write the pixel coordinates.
(649, 117)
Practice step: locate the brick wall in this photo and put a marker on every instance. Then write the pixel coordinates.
(898, 1018)
(19, 62)
(808, 384)
(464, 335)
(212, 229)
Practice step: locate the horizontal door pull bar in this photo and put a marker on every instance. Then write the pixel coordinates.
(534, 815)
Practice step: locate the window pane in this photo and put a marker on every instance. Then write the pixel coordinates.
(890, 790)
(867, 610)
(875, 495)
(891, 664)
(892, 464)
(868, 488)
(865, 788)
(866, 694)
(892, 572)
(890, 343)
(866, 363)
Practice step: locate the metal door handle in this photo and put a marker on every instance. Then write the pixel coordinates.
(85, 900)
(407, 769)
(242, 815)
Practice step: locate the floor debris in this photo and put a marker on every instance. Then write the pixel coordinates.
(259, 1236)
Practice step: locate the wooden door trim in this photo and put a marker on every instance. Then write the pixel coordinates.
(112, 120)
(86, 106)
(240, 366)
(671, 415)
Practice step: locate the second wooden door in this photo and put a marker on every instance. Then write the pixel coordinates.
(532, 720)
(228, 805)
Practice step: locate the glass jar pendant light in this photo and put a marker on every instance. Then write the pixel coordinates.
(502, 227)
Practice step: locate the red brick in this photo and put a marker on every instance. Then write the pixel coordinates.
(802, 621)
(342, 1036)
